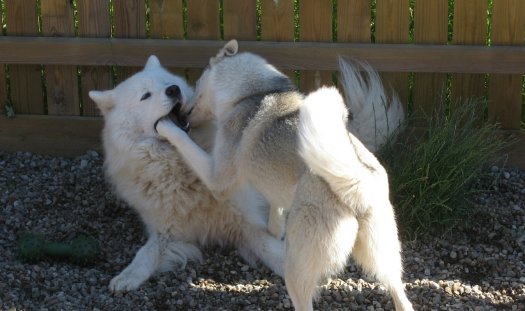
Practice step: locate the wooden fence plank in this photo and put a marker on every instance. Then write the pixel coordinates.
(277, 24)
(392, 27)
(93, 22)
(26, 80)
(285, 55)
(353, 21)
(203, 23)
(315, 25)
(239, 20)
(3, 89)
(505, 99)
(130, 22)
(430, 27)
(61, 81)
(470, 27)
(166, 21)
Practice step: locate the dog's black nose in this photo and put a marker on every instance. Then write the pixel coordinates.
(173, 91)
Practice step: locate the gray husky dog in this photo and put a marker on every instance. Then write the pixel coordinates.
(297, 152)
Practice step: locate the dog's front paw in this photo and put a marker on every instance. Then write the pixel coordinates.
(166, 128)
(126, 281)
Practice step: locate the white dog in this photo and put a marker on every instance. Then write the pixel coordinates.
(298, 153)
(179, 212)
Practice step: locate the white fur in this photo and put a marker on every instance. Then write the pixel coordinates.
(375, 114)
(338, 198)
(178, 211)
(360, 182)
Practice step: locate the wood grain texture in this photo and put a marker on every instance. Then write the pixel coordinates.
(277, 20)
(61, 81)
(285, 55)
(26, 81)
(166, 19)
(470, 27)
(505, 100)
(392, 27)
(50, 135)
(353, 20)
(130, 22)
(93, 22)
(239, 20)
(277, 24)
(315, 25)
(203, 23)
(430, 27)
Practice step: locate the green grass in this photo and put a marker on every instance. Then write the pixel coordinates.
(432, 171)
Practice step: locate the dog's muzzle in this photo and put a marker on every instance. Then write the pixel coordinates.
(175, 115)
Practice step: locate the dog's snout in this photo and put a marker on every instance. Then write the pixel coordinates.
(173, 91)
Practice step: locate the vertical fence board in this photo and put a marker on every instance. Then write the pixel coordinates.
(315, 25)
(470, 27)
(239, 20)
(203, 23)
(353, 21)
(93, 21)
(166, 21)
(26, 80)
(430, 27)
(3, 90)
(392, 27)
(277, 23)
(61, 81)
(130, 22)
(508, 27)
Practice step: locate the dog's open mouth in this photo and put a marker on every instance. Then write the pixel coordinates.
(179, 118)
(176, 116)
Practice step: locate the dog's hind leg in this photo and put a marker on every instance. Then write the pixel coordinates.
(318, 242)
(377, 250)
(265, 247)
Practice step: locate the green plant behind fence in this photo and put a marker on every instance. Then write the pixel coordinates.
(432, 171)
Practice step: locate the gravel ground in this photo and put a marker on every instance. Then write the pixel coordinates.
(480, 268)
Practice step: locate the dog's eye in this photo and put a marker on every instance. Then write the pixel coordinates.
(145, 96)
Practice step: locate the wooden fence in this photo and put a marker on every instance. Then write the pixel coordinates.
(54, 51)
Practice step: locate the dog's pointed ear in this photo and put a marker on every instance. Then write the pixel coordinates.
(229, 49)
(103, 99)
(153, 62)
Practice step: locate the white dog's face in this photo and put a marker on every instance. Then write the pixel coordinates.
(144, 98)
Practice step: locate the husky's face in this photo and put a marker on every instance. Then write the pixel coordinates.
(206, 104)
(140, 101)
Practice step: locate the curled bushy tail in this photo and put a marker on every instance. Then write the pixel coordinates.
(375, 115)
(329, 149)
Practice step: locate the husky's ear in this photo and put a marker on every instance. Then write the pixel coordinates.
(229, 49)
(103, 99)
(153, 62)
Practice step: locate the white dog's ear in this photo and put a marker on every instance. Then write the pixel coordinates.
(229, 49)
(153, 62)
(103, 99)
